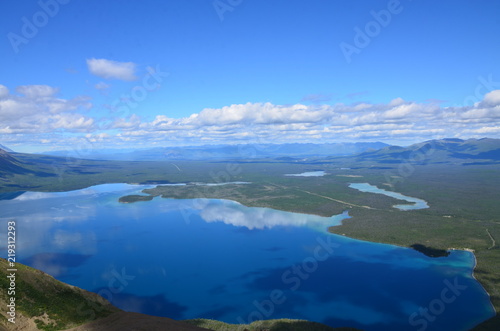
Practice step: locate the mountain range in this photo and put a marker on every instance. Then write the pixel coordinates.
(466, 152)
(19, 171)
(234, 152)
(485, 151)
(6, 148)
(9, 164)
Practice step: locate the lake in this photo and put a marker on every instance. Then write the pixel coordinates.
(416, 203)
(221, 260)
(318, 173)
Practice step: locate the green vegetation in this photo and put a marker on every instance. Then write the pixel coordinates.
(463, 213)
(49, 303)
(461, 190)
(429, 251)
(268, 325)
(135, 198)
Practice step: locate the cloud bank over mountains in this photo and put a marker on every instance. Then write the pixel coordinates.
(35, 113)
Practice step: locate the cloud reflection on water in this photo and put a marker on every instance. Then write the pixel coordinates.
(233, 213)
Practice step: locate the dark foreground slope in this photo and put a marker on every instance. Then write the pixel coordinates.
(45, 303)
(133, 321)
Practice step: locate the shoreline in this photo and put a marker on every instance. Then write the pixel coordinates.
(474, 276)
(495, 312)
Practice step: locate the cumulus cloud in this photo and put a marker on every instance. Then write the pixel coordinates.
(37, 91)
(491, 99)
(265, 122)
(39, 110)
(110, 69)
(4, 91)
(36, 109)
(260, 113)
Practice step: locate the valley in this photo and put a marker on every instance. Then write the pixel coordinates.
(459, 180)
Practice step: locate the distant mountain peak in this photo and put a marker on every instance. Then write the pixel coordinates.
(468, 152)
(8, 164)
(6, 149)
(237, 151)
(457, 140)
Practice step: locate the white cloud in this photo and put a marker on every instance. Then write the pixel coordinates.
(72, 122)
(4, 91)
(230, 212)
(402, 111)
(40, 112)
(266, 122)
(396, 102)
(491, 99)
(37, 91)
(248, 114)
(488, 130)
(37, 110)
(109, 69)
(100, 137)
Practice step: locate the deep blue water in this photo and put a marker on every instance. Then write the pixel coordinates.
(218, 259)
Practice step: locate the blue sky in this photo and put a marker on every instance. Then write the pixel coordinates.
(160, 73)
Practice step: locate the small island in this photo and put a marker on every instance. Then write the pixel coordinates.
(135, 198)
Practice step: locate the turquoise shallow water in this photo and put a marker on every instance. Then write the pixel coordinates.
(415, 202)
(219, 259)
